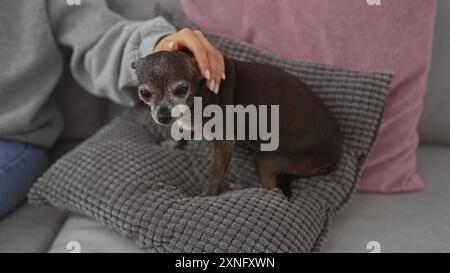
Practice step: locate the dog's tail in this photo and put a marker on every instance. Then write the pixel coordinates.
(284, 183)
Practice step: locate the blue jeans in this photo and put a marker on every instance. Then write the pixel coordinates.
(20, 166)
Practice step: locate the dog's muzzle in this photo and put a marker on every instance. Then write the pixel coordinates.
(163, 116)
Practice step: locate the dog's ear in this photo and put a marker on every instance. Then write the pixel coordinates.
(137, 64)
(198, 75)
(193, 66)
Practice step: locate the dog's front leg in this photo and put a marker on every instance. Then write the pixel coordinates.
(223, 150)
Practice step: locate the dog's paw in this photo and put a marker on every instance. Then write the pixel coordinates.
(212, 190)
(232, 186)
(169, 144)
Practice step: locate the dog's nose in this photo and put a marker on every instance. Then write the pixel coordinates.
(164, 116)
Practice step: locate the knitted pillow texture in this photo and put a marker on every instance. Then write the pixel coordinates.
(126, 180)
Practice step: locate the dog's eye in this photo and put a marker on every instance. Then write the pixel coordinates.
(145, 94)
(180, 91)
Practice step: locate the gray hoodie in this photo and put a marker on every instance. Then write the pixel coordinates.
(103, 45)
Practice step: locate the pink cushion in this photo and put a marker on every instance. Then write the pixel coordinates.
(396, 35)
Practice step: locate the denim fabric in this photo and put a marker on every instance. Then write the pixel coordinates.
(20, 166)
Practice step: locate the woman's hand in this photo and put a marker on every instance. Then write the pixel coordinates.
(209, 59)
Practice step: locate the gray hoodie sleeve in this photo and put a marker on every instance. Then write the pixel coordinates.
(103, 45)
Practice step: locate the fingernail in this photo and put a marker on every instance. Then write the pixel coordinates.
(223, 76)
(216, 89)
(207, 74)
(170, 45)
(212, 85)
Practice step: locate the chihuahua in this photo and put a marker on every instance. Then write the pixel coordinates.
(309, 135)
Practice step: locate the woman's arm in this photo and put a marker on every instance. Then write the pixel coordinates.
(104, 45)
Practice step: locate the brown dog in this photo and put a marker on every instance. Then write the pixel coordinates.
(309, 137)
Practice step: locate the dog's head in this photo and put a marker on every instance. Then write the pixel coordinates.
(167, 79)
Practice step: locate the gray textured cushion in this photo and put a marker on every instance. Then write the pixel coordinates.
(434, 126)
(412, 222)
(125, 180)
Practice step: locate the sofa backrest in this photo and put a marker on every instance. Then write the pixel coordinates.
(434, 127)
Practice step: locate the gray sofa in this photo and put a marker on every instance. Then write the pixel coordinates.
(410, 222)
